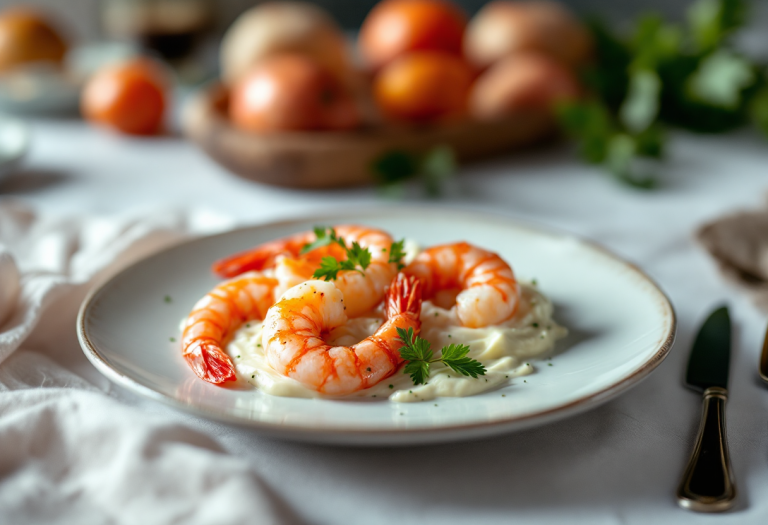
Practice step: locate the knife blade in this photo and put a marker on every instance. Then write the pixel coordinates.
(707, 484)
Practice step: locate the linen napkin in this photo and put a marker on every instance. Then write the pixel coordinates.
(739, 244)
(70, 451)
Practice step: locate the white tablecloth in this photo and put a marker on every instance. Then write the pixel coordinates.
(619, 463)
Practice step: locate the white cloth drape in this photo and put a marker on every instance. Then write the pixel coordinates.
(69, 452)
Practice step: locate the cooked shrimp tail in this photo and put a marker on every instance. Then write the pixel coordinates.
(403, 296)
(216, 316)
(210, 363)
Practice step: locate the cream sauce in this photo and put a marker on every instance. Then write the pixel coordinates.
(504, 349)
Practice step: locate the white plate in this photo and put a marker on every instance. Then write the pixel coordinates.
(621, 327)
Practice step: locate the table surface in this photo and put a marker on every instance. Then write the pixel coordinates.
(619, 463)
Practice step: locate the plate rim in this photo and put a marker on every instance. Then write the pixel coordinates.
(356, 435)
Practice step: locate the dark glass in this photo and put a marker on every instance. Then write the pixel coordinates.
(171, 29)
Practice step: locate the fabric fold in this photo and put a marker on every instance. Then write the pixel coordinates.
(71, 452)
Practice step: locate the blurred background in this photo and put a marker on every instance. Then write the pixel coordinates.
(83, 16)
(699, 65)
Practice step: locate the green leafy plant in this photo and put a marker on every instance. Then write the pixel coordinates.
(660, 75)
(418, 354)
(433, 169)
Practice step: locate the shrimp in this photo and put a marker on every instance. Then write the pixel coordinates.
(480, 283)
(361, 292)
(216, 316)
(294, 329)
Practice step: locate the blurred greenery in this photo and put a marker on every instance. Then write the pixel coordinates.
(432, 169)
(661, 74)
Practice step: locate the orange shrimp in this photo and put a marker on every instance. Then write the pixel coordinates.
(267, 255)
(216, 316)
(480, 283)
(361, 292)
(294, 329)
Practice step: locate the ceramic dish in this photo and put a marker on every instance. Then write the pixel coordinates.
(621, 327)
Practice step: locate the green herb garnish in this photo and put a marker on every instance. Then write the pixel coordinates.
(324, 237)
(358, 258)
(418, 354)
(397, 252)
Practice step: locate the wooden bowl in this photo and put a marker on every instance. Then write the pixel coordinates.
(329, 159)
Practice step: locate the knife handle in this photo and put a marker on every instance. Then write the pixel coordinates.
(707, 485)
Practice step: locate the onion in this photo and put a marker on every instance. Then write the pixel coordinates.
(283, 27)
(503, 28)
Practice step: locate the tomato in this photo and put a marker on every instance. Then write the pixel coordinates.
(395, 27)
(291, 92)
(526, 81)
(25, 36)
(422, 86)
(129, 96)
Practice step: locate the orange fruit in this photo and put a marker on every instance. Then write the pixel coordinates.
(129, 96)
(423, 86)
(291, 92)
(26, 36)
(396, 27)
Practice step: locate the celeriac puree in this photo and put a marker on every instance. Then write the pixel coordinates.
(504, 350)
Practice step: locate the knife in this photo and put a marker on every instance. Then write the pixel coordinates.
(764, 359)
(707, 484)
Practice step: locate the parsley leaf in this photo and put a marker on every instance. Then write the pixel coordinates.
(455, 356)
(329, 269)
(711, 22)
(720, 79)
(325, 236)
(418, 354)
(357, 256)
(397, 252)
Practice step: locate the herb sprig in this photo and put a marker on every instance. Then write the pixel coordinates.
(662, 74)
(358, 258)
(397, 253)
(419, 356)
